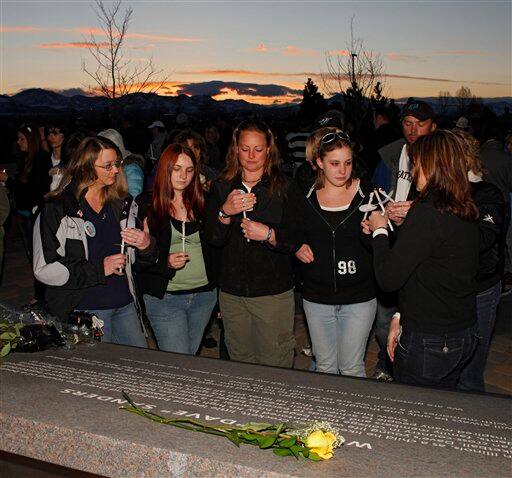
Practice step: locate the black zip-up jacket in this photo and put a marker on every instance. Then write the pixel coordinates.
(492, 227)
(61, 251)
(342, 270)
(253, 269)
(153, 280)
(433, 264)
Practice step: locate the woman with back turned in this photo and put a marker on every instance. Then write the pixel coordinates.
(433, 264)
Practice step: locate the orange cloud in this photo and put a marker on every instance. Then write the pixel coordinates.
(18, 29)
(273, 74)
(262, 48)
(135, 36)
(163, 38)
(249, 73)
(291, 50)
(339, 53)
(410, 58)
(75, 44)
(460, 52)
(402, 57)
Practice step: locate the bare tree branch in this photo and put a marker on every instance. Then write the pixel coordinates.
(115, 74)
(357, 74)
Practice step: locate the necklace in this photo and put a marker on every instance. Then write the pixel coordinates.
(254, 181)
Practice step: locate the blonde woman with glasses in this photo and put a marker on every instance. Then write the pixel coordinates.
(86, 240)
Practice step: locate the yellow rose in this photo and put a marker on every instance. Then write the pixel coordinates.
(321, 443)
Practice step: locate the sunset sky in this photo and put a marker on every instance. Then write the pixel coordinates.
(264, 51)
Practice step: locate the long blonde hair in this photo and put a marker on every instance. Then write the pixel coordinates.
(472, 150)
(81, 172)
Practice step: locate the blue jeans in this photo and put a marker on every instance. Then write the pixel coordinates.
(339, 334)
(179, 320)
(433, 360)
(122, 326)
(472, 376)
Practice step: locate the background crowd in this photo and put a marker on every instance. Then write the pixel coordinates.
(155, 228)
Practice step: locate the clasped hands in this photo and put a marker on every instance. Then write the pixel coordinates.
(396, 211)
(238, 202)
(140, 239)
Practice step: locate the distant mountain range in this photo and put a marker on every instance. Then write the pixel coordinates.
(36, 101)
(40, 101)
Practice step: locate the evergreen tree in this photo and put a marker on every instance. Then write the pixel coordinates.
(313, 102)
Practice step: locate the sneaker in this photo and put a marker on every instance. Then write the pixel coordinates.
(307, 351)
(382, 376)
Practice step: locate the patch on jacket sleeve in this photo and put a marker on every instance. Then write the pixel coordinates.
(488, 218)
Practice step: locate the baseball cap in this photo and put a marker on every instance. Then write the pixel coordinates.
(331, 119)
(419, 110)
(156, 124)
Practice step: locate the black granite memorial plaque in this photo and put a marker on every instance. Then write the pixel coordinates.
(63, 407)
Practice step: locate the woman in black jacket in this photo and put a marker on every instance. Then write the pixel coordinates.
(250, 215)
(338, 284)
(86, 241)
(492, 228)
(433, 264)
(31, 183)
(179, 290)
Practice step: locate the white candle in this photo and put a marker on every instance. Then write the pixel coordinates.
(122, 252)
(383, 209)
(369, 202)
(183, 236)
(387, 196)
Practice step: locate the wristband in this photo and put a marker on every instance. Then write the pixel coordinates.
(223, 214)
(269, 235)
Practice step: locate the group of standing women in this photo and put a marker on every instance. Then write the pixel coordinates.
(182, 244)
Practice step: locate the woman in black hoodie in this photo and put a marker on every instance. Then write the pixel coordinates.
(433, 264)
(250, 215)
(338, 287)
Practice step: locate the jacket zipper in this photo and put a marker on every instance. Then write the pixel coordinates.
(333, 232)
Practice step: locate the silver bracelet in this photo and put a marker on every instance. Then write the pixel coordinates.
(269, 235)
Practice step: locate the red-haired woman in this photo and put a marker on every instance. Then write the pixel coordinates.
(433, 264)
(179, 290)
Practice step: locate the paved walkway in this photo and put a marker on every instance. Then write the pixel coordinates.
(16, 289)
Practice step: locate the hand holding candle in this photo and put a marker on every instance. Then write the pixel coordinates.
(383, 209)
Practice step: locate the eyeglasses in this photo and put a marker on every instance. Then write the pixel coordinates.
(108, 167)
(330, 137)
